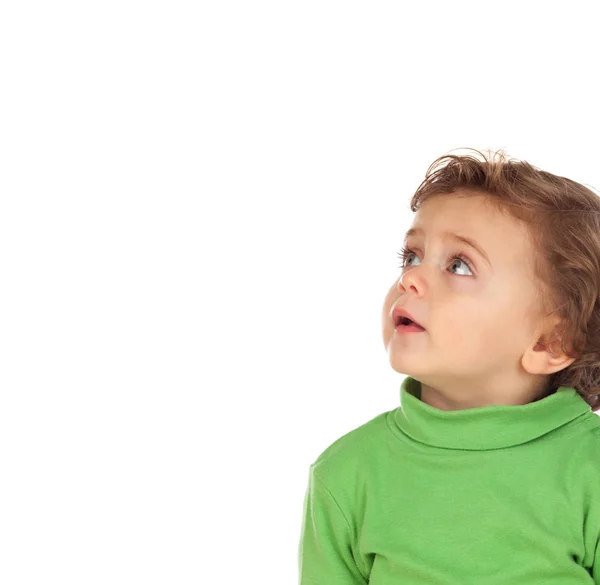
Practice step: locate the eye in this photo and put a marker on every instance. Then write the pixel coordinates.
(405, 252)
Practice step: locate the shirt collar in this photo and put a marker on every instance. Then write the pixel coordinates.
(488, 427)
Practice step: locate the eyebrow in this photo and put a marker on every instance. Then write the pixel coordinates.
(463, 239)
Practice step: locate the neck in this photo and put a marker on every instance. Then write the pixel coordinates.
(461, 396)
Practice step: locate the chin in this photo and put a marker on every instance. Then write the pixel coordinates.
(401, 366)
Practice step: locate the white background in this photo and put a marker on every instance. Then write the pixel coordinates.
(201, 205)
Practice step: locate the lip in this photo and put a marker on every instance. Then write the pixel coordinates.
(399, 312)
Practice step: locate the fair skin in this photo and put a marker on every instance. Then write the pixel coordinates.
(486, 340)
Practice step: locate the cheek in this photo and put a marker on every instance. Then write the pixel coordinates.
(386, 320)
(484, 329)
(389, 300)
(470, 324)
(460, 316)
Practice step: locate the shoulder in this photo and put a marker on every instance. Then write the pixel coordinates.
(591, 431)
(582, 453)
(595, 436)
(350, 453)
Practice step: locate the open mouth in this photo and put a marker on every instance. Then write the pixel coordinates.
(405, 322)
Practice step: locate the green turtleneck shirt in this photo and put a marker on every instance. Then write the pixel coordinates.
(494, 495)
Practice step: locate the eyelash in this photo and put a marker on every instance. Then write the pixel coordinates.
(406, 251)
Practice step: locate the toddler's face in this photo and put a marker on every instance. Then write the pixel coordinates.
(478, 317)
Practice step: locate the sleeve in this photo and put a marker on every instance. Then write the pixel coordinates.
(325, 554)
(596, 566)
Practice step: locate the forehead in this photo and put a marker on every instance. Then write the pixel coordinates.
(503, 237)
(473, 215)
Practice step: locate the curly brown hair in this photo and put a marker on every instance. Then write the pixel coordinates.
(563, 218)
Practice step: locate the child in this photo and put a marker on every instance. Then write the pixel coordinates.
(489, 470)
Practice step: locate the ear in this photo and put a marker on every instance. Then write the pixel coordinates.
(545, 355)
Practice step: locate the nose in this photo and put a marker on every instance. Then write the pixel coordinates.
(406, 279)
(402, 281)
